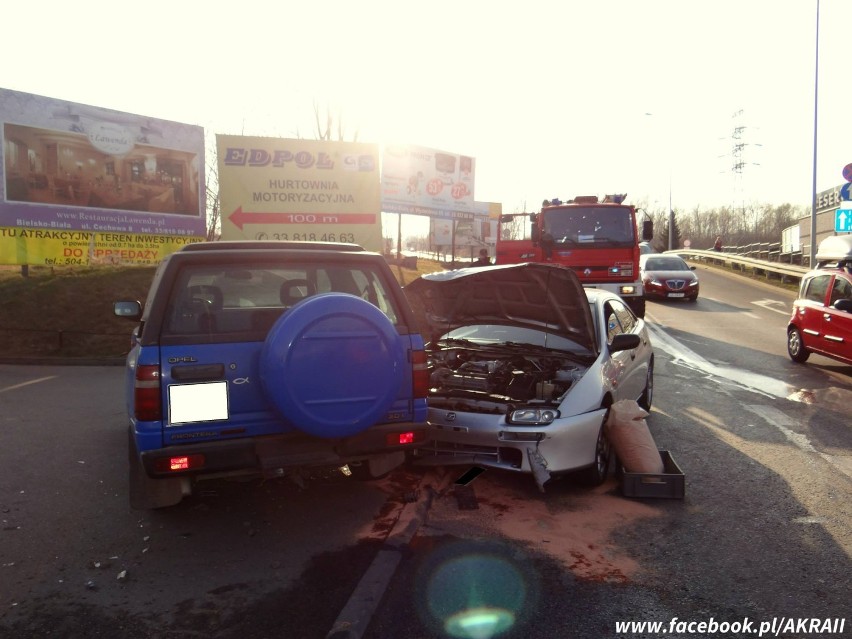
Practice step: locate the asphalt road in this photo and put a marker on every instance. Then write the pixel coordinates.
(763, 534)
(765, 530)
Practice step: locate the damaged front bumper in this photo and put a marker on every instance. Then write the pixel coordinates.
(565, 445)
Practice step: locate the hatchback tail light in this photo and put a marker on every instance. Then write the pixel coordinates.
(147, 399)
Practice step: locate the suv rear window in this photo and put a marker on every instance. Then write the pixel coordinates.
(239, 298)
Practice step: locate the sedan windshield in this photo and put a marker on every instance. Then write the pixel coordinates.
(666, 264)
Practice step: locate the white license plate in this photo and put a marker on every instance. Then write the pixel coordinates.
(190, 403)
(676, 294)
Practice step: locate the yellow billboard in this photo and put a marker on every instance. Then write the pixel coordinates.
(52, 247)
(299, 190)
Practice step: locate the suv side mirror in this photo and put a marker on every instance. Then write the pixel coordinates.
(128, 310)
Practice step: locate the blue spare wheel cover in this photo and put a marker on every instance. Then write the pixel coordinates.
(332, 365)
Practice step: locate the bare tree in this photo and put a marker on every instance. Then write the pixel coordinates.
(324, 131)
(737, 227)
(211, 189)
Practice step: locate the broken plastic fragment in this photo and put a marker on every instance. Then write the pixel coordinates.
(538, 464)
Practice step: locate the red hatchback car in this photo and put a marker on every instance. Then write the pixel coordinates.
(821, 321)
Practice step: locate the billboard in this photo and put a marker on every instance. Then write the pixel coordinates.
(62, 247)
(299, 190)
(423, 181)
(477, 231)
(70, 166)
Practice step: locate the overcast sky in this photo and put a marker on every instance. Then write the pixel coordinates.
(552, 98)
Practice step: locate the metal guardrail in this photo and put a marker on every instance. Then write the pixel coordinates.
(779, 270)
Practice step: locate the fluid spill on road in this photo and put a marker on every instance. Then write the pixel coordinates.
(572, 525)
(833, 398)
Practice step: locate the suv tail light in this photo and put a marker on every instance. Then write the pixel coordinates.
(405, 438)
(419, 374)
(179, 463)
(147, 400)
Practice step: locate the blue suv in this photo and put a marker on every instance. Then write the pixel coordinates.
(270, 359)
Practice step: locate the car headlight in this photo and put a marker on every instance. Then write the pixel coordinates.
(533, 416)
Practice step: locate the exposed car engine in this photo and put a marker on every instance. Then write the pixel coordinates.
(493, 375)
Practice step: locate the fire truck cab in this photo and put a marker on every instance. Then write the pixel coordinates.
(597, 238)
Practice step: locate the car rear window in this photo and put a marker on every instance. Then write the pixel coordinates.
(238, 298)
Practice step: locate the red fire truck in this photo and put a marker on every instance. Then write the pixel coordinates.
(595, 237)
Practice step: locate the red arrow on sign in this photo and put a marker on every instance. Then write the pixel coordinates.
(240, 218)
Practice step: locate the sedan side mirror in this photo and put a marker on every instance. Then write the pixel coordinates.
(624, 342)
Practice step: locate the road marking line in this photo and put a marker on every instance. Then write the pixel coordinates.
(22, 384)
(353, 620)
(768, 304)
(784, 423)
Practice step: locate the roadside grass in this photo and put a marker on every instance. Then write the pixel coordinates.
(67, 311)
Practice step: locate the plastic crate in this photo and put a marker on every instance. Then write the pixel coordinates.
(670, 484)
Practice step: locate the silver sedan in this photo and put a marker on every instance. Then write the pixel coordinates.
(524, 364)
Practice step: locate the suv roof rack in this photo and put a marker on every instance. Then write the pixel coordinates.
(243, 245)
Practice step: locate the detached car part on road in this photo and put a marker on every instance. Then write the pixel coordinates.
(821, 321)
(524, 364)
(270, 358)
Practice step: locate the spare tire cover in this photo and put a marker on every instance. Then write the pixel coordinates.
(332, 365)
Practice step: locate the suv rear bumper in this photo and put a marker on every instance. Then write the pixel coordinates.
(264, 455)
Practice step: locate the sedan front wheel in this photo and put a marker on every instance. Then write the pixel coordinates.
(596, 474)
(647, 397)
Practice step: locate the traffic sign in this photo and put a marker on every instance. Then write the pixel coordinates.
(845, 194)
(843, 219)
(847, 172)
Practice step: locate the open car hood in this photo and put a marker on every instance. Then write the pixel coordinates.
(545, 297)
